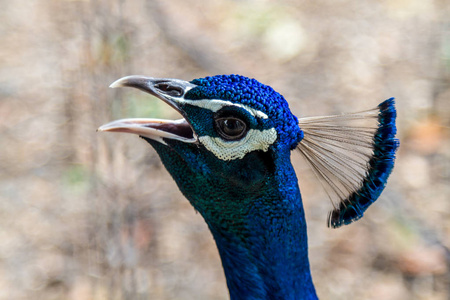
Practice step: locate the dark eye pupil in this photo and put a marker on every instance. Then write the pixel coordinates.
(231, 128)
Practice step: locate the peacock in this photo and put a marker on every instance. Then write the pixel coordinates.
(230, 155)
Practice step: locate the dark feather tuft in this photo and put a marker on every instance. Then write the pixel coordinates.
(352, 155)
(380, 166)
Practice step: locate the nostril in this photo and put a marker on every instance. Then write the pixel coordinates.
(169, 89)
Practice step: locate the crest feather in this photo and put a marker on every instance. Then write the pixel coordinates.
(352, 155)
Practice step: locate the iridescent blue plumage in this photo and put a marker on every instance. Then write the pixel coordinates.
(231, 157)
(247, 91)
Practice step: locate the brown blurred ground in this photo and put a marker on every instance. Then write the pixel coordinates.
(95, 216)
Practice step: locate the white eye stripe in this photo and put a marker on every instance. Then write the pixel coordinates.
(215, 105)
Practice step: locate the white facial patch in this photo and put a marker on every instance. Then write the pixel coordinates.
(230, 150)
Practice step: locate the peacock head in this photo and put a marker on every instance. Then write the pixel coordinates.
(226, 118)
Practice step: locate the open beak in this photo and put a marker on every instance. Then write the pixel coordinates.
(170, 91)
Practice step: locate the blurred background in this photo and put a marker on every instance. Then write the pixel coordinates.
(86, 215)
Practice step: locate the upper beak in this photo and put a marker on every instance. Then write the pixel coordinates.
(170, 91)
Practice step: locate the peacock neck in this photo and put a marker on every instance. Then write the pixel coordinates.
(254, 210)
(265, 255)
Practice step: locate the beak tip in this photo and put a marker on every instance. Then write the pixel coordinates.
(121, 82)
(115, 84)
(101, 129)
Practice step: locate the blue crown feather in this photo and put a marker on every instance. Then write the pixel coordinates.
(380, 167)
(353, 161)
(248, 91)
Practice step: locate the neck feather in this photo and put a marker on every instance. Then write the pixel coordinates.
(254, 210)
(267, 256)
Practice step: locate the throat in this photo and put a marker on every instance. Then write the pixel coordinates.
(270, 263)
(254, 210)
(266, 255)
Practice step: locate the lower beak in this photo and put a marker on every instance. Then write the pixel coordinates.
(155, 129)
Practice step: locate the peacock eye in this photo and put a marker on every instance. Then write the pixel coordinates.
(231, 128)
